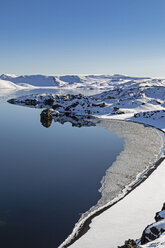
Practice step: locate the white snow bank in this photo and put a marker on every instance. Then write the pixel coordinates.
(4, 84)
(128, 218)
(8, 85)
(142, 147)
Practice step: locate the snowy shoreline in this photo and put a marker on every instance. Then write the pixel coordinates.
(137, 137)
(83, 225)
(138, 100)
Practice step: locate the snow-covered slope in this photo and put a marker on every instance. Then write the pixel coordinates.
(102, 82)
(35, 80)
(8, 85)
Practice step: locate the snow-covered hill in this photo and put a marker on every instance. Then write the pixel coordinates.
(141, 100)
(101, 82)
(8, 85)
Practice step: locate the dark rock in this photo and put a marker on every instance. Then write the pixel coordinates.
(68, 108)
(161, 214)
(49, 101)
(110, 97)
(158, 217)
(95, 105)
(101, 105)
(79, 96)
(12, 101)
(120, 112)
(76, 121)
(136, 115)
(115, 108)
(150, 233)
(129, 244)
(73, 105)
(158, 102)
(163, 208)
(46, 113)
(32, 102)
(55, 106)
(154, 230)
(46, 118)
(46, 123)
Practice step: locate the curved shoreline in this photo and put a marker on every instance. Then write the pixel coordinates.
(82, 226)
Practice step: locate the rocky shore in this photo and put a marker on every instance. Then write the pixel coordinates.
(136, 101)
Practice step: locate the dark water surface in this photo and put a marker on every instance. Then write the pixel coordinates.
(48, 176)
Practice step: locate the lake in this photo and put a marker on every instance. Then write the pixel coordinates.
(48, 176)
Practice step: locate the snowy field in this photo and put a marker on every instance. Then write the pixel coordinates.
(123, 98)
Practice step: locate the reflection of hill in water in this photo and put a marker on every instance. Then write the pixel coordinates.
(46, 119)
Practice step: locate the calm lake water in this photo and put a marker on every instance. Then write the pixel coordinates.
(48, 176)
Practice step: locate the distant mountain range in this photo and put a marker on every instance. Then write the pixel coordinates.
(104, 82)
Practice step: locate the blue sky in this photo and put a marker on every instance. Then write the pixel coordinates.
(73, 36)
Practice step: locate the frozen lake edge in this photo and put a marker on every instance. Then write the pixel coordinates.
(141, 167)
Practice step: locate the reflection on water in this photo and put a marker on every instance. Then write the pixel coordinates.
(46, 122)
(46, 119)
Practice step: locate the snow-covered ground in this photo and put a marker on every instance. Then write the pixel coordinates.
(124, 98)
(9, 85)
(128, 218)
